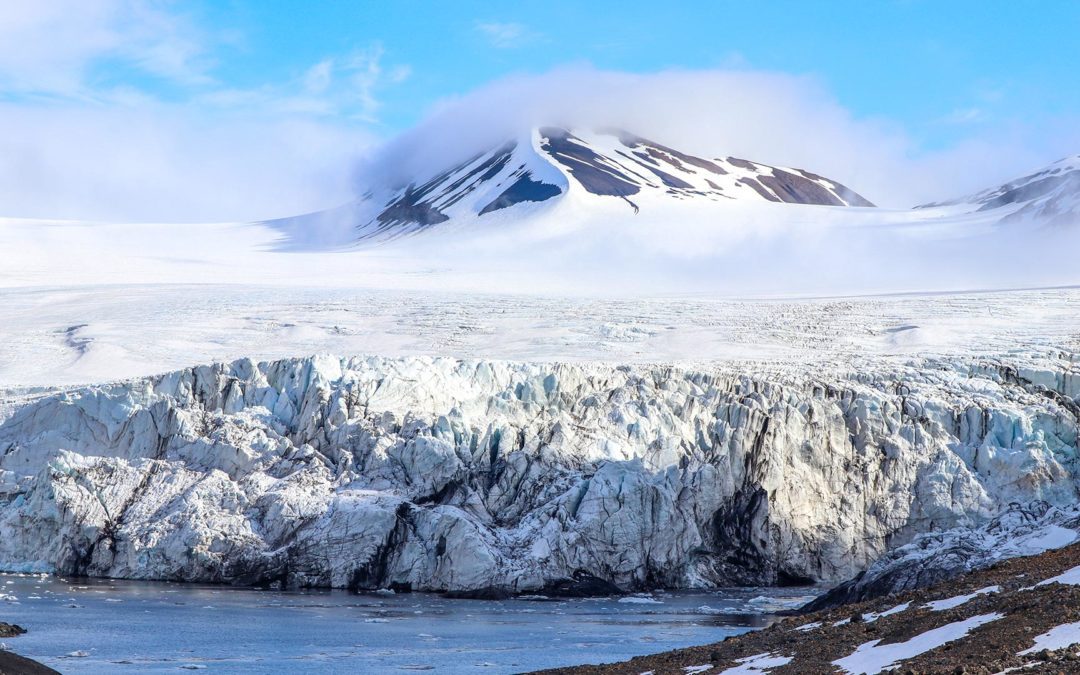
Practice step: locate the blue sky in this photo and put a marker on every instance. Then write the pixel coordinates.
(939, 68)
(288, 93)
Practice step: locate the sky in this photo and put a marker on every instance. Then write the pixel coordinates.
(246, 109)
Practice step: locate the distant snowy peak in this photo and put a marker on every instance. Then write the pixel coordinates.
(550, 162)
(609, 163)
(1050, 195)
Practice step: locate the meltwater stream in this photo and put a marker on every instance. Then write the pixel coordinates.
(104, 626)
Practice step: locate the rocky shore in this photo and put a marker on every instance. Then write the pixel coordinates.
(13, 664)
(1019, 615)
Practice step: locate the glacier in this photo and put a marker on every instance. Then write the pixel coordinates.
(494, 477)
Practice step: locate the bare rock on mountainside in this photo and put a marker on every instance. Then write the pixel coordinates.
(549, 163)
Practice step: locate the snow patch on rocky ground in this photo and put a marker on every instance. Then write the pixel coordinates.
(1065, 635)
(754, 665)
(957, 600)
(1071, 577)
(871, 658)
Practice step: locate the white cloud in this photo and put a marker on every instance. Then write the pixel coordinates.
(504, 35)
(365, 74)
(80, 145)
(170, 163)
(318, 77)
(51, 48)
(769, 117)
(965, 116)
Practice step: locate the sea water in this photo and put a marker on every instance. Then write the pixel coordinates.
(104, 626)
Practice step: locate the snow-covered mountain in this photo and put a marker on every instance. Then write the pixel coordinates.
(551, 162)
(1050, 195)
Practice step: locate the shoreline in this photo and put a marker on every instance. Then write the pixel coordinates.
(14, 664)
(1023, 613)
(981, 623)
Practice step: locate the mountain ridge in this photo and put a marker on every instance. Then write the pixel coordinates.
(1050, 194)
(552, 162)
(595, 171)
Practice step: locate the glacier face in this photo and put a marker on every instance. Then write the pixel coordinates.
(442, 474)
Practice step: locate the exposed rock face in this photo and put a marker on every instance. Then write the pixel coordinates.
(468, 475)
(1022, 530)
(10, 630)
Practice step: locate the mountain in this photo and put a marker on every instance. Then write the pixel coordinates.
(1050, 195)
(551, 162)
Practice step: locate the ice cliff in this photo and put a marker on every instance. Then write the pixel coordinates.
(440, 474)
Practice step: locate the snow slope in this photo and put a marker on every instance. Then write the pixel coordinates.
(1049, 196)
(623, 232)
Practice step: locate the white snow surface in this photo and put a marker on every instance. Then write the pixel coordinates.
(1058, 637)
(88, 334)
(871, 657)
(1050, 196)
(871, 617)
(957, 600)
(756, 664)
(680, 241)
(1069, 577)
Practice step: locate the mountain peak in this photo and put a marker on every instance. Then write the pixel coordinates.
(549, 162)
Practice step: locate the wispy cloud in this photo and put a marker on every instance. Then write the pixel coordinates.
(504, 35)
(364, 74)
(56, 48)
(73, 50)
(349, 86)
(970, 115)
(769, 117)
(114, 111)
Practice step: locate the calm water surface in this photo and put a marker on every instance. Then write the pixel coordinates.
(99, 626)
